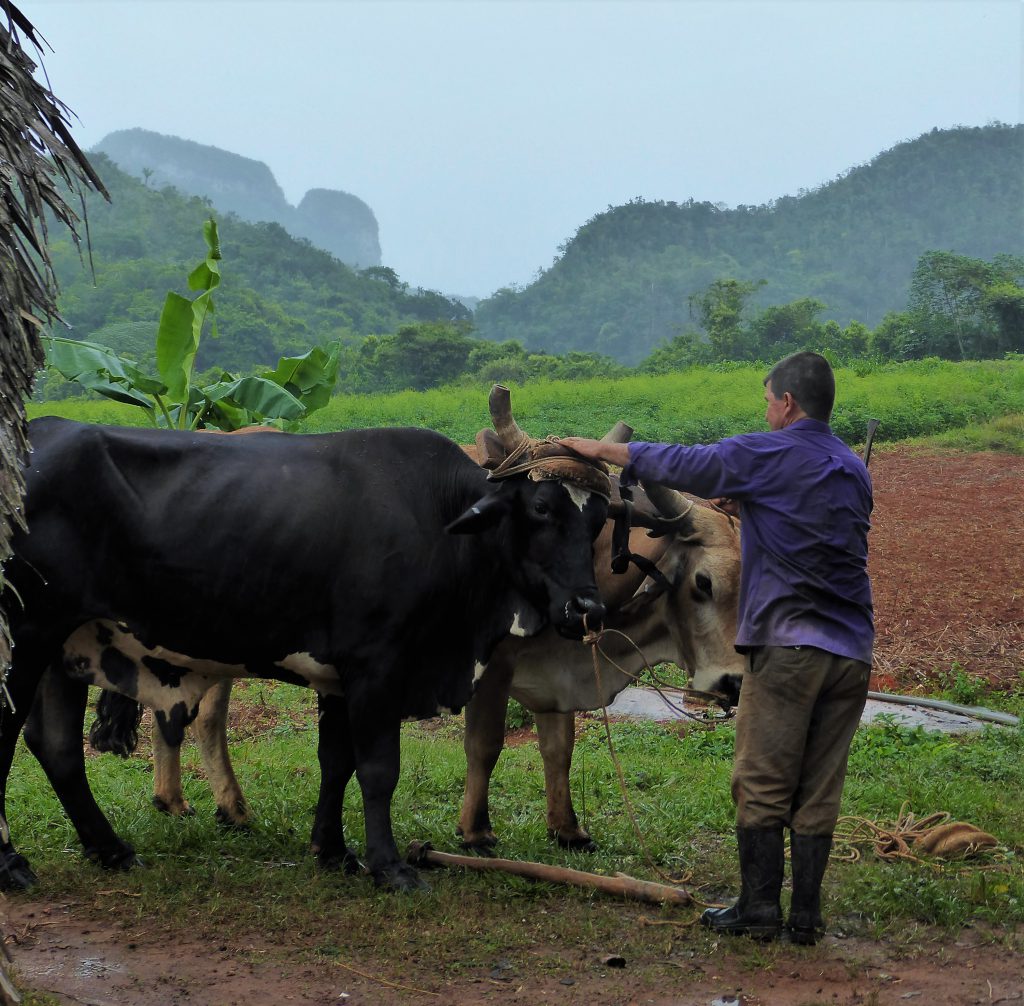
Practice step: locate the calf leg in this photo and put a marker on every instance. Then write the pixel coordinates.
(483, 741)
(556, 737)
(211, 728)
(337, 763)
(53, 734)
(168, 796)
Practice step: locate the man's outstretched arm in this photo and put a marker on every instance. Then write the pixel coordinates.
(599, 450)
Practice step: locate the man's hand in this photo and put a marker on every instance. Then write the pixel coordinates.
(726, 505)
(598, 450)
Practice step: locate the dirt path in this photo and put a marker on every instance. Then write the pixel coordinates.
(95, 962)
(948, 568)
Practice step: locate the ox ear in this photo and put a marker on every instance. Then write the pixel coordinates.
(483, 514)
(489, 449)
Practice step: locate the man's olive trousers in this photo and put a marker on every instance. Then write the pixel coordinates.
(799, 708)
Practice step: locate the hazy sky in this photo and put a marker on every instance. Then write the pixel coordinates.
(484, 133)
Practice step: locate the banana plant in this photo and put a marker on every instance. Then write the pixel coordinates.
(296, 387)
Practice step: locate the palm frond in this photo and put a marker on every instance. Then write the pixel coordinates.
(40, 164)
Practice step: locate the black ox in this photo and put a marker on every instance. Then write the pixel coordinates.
(160, 558)
(685, 613)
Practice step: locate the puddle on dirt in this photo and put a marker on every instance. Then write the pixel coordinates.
(647, 704)
(54, 970)
(94, 967)
(87, 967)
(740, 1000)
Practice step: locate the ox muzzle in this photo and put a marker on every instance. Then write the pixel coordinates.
(583, 613)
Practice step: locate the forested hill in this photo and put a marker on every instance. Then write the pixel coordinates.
(279, 294)
(621, 284)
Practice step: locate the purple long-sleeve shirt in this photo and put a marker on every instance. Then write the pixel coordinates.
(805, 502)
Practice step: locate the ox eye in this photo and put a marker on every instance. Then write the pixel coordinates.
(704, 584)
(541, 508)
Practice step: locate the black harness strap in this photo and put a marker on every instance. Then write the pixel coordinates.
(620, 533)
(621, 554)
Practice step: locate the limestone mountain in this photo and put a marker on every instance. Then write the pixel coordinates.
(337, 222)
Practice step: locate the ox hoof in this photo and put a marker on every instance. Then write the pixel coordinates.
(480, 842)
(118, 857)
(15, 873)
(400, 877)
(175, 808)
(345, 861)
(236, 819)
(580, 842)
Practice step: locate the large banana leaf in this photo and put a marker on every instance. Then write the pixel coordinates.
(221, 415)
(310, 377)
(257, 395)
(182, 321)
(177, 341)
(100, 369)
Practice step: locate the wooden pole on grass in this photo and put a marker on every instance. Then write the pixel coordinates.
(422, 854)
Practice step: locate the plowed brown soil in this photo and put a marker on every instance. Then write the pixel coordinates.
(947, 565)
(948, 568)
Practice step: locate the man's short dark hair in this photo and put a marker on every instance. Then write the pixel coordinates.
(809, 379)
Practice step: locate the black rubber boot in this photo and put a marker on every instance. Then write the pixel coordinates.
(809, 855)
(757, 913)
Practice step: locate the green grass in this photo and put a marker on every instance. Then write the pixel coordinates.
(1005, 433)
(963, 688)
(211, 880)
(90, 410)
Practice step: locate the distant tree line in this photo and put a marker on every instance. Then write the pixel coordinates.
(960, 308)
(285, 295)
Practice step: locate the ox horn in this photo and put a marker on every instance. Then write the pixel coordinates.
(620, 433)
(669, 503)
(500, 404)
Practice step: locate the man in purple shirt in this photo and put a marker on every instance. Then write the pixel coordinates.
(805, 621)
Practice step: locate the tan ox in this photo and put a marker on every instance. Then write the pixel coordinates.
(693, 624)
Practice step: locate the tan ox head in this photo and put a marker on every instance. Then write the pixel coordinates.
(693, 621)
(692, 624)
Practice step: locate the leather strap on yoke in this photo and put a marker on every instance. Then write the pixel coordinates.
(547, 459)
(622, 555)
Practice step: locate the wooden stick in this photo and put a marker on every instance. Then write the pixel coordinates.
(422, 854)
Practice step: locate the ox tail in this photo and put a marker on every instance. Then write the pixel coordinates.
(116, 727)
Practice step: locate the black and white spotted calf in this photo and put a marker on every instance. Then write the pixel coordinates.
(381, 567)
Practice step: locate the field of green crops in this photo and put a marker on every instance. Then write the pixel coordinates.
(917, 399)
